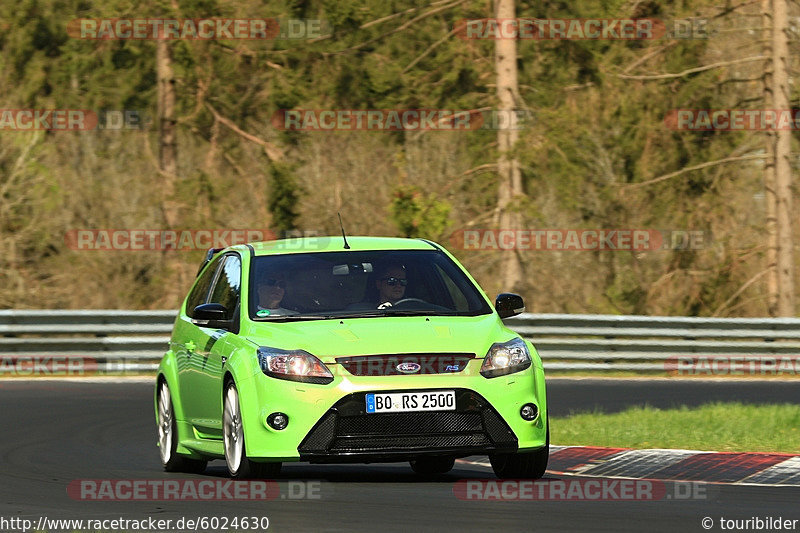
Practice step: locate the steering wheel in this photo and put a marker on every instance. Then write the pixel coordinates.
(398, 302)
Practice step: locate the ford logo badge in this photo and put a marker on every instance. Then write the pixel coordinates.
(408, 368)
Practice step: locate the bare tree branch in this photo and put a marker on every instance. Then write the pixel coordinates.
(399, 28)
(385, 19)
(647, 56)
(691, 70)
(739, 291)
(488, 167)
(401, 13)
(430, 49)
(692, 168)
(272, 151)
(730, 9)
(578, 87)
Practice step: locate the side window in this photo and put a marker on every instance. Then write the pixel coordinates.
(226, 289)
(200, 290)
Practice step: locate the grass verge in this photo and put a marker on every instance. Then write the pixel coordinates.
(714, 427)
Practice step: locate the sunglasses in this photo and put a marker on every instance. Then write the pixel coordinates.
(394, 281)
(278, 282)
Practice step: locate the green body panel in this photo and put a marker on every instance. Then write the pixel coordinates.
(168, 373)
(200, 360)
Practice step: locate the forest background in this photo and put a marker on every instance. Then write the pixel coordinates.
(597, 152)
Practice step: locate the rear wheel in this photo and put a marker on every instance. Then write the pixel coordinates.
(168, 437)
(239, 465)
(522, 465)
(432, 465)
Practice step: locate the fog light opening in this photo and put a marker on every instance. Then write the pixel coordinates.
(529, 412)
(278, 421)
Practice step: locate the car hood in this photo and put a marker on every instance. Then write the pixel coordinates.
(329, 339)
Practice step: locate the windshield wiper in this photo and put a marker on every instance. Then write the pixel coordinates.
(410, 312)
(397, 312)
(286, 318)
(361, 314)
(369, 314)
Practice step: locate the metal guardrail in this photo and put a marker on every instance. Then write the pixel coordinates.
(81, 342)
(114, 341)
(653, 344)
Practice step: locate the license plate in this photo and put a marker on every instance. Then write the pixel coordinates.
(397, 402)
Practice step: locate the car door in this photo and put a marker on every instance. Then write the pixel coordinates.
(208, 368)
(191, 342)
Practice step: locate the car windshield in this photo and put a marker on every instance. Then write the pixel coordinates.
(319, 285)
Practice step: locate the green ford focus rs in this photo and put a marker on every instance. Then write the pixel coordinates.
(361, 350)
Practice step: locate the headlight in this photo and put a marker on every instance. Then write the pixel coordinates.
(294, 365)
(506, 358)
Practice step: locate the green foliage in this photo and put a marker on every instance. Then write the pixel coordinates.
(418, 215)
(283, 197)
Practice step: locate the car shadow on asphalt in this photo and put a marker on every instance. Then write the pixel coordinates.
(368, 473)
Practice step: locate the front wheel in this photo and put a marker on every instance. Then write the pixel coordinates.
(239, 465)
(168, 437)
(522, 465)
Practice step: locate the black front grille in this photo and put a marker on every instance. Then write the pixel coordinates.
(409, 423)
(410, 443)
(347, 430)
(417, 363)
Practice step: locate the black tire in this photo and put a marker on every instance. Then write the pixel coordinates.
(168, 437)
(530, 465)
(240, 466)
(431, 466)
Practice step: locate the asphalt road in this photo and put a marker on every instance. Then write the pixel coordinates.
(53, 433)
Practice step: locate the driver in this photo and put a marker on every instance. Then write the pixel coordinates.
(391, 285)
(271, 291)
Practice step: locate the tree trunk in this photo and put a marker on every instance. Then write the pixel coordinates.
(510, 188)
(769, 168)
(167, 144)
(783, 169)
(168, 161)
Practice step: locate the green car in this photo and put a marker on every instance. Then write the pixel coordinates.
(347, 350)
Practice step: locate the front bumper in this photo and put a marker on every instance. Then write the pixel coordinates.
(328, 423)
(347, 433)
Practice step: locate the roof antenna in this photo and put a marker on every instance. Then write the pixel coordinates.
(346, 246)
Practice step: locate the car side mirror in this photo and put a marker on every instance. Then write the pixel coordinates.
(211, 316)
(508, 304)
